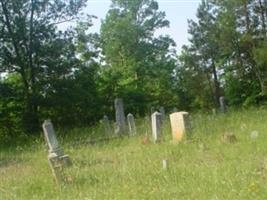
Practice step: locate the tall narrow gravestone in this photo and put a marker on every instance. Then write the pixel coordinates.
(222, 104)
(162, 112)
(180, 125)
(120, 116)
(106, 125)
(131, 124)
(57, 159)
(156, 126)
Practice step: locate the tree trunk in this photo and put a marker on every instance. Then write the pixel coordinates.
(216, 84)
(263, 18)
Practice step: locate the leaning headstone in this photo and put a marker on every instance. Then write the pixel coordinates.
(131, 124)
(156, 126)
(162, 112)
(120, 116)
(106, 125)
(222, 104)
(180, 125)
(56, 157)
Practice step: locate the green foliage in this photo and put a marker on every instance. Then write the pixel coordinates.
(139, 65)
(228, 44)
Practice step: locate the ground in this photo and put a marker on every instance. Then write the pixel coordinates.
(204, 166)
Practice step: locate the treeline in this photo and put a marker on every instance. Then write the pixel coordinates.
(73, 76)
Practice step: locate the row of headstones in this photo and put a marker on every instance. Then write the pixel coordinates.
(120, 125)
(180, 125)
(179, 122)
(156, 118)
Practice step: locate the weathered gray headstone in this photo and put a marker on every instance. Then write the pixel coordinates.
(120, 116)
(174, 110)
(222, 104)
(51, 140)
(180, 125)
(131, 124)
(162, 112)
(156, 126)
(56, 157)
(106, 125)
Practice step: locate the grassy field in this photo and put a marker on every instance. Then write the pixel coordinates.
(202, 167)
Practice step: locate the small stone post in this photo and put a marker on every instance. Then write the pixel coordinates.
(131, 124)
(120, 116)
(106, 125)
(156, 126)
(180, 125)
(222, 104)
(56, 157)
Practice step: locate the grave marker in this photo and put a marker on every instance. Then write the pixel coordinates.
(162, 112)
(156, 126)
(106, 125)
(222, 104)
(180, 125)
(131, 124)
(56, 157)
(120, 116)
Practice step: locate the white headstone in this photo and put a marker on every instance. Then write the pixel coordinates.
(120, 116)
(131, 124)
(156, 126)
(180, 125)
(165, 164)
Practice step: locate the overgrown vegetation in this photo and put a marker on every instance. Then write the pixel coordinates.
(73, 77)
(202, 167)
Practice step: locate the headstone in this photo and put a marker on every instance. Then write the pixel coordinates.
(174, 110)
(131, 124)
(156, 126)
(222, 104)
(162, 112)
(120, 116)
(51, 140)
(106, 125)
(165, 164)
(56, 157)
(180, 125)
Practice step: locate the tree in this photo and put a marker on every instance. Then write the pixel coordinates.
(138, 64)
(32, 48)
(204, 40)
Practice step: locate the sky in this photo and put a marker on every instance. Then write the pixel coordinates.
(177, 12)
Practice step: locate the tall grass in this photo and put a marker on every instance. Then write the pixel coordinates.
(201, 167)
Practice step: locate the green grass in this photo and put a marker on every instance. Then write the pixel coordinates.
(200, 168)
